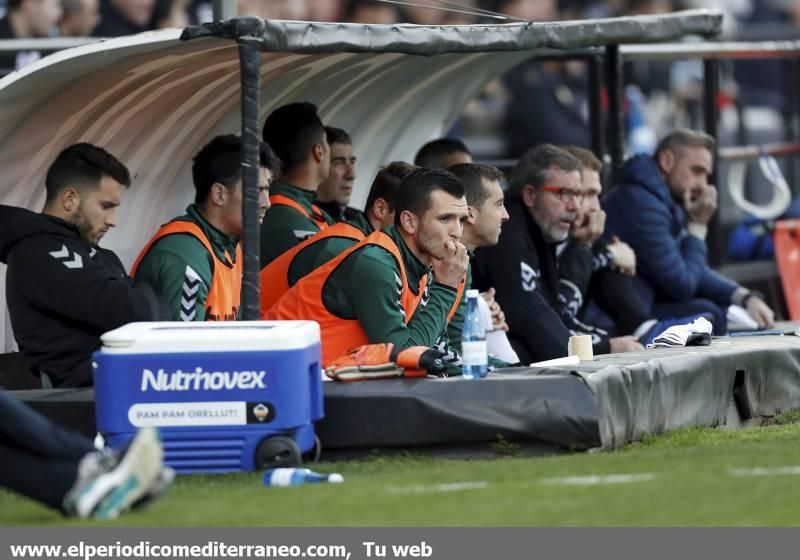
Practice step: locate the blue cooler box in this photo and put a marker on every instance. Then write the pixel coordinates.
(228, 396)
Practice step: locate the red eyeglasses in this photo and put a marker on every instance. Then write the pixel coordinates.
(564, 194)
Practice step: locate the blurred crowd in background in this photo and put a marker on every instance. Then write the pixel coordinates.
(537, 101)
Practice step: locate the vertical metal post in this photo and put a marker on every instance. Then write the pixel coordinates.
(792, 93)
(616, 139)
(224, 9)
(250, 67)
(715, 241)
(596, 120)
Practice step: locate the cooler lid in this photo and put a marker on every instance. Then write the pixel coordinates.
(222, 336)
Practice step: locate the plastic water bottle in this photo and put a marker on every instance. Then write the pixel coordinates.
(296, 477)
(641, 138)
(474, 357)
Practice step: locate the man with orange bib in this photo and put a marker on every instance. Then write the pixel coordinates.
(297, 135)
(284, 272)
(380, 290)
(194, 262)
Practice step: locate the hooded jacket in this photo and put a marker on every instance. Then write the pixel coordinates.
(671, 264)
(63, 293)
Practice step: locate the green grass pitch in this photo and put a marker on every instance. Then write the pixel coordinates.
(687, 477)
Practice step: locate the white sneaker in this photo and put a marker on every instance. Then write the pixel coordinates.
(160, 487)
(106, 487)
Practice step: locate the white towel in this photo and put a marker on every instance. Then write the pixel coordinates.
(738, 316)
(497, 343)
(486, 315)
(565, 361)
(697, 333)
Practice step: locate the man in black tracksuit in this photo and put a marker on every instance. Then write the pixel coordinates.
(611, 265)
(545, 187)
(62, 290)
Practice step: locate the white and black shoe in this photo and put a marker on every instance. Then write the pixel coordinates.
(109, 485)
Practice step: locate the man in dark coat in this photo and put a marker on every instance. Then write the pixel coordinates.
(661, 208)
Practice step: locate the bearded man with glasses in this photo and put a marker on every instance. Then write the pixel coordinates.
(545, 192)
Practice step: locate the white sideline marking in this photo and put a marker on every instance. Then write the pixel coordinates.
(451, 487)
(765, 471)
(596, 479)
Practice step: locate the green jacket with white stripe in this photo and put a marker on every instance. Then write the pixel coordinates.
(179, 268)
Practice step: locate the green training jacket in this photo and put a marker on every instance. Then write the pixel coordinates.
(367, 286)
(174, 264)
(317, 254)
(284, 227)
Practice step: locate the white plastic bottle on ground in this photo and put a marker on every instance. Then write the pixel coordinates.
(296, 477)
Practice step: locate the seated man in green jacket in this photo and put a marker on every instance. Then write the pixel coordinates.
(195, 261)
(297, 135)
(381, 290)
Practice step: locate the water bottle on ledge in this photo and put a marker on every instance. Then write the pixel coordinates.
(296, 477)
(474, 357)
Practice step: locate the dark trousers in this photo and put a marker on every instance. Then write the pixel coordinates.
(615, 294)
(674, 310)
(39, 459)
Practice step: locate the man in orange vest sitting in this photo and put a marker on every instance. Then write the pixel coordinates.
(297, 135)
(381, 289)
(195, 261)
(284, 272)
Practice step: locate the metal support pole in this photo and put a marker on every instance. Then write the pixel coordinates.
(250, 65)
(616, 140)
(596, 120)
(715, 241)
(224, 9)
(792, 89)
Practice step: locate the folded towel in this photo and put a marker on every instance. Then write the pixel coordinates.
(696, 333)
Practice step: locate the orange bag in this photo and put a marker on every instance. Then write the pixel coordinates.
(384, 361)
(787, 255)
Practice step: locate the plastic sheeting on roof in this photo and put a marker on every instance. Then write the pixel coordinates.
(318, 37)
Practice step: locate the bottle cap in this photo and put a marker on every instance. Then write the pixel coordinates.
(473, 293)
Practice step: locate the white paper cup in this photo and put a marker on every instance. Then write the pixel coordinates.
(581, 346)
